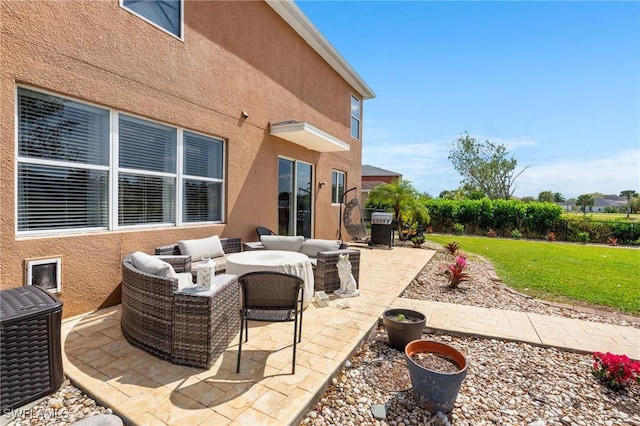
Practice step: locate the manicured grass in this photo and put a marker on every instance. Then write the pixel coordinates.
(634, 217)
(600, 275)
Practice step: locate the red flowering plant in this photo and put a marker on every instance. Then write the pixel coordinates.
(456, 272)
(615, 370)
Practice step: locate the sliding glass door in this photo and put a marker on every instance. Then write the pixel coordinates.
(295, 195)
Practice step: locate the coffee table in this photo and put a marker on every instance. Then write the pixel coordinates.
(274, 260)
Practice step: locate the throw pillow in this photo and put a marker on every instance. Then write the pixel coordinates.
(311, 247)
(197, 249)
(282, 242)
(151, 264)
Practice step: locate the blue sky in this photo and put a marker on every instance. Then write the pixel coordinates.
(557, 82)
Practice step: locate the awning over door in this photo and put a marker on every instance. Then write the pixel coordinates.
(308, 136)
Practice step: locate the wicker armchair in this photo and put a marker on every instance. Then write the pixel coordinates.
(176, 325)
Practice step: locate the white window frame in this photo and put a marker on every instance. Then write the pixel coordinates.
(144, 18)
(113, 170)
(344, 182)
(358, 118)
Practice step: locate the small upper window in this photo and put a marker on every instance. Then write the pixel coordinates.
(355, 117)
(167, 14)
(338, 182)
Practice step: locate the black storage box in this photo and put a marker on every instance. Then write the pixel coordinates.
(30, 351)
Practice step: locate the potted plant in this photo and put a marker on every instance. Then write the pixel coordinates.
(436, 370)
(403, 326)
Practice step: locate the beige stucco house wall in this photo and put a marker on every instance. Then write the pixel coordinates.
(261, 58)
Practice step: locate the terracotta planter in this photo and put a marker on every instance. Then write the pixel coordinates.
(433, 390)
(400, 333)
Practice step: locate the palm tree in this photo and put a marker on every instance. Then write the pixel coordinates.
(628, 194)
(399, 193)
(583, 201)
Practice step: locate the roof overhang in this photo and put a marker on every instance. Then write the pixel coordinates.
(292, 14)
(308, 136)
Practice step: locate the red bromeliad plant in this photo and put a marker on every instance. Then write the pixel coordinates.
(452, 247)
(456, 272)
(615, 370)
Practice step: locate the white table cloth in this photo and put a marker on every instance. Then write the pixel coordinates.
(290, 262)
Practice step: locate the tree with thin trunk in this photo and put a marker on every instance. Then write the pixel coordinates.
(485, 167)
(628, 194)
(584, 201)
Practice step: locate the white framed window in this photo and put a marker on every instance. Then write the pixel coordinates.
(338, 183)
(84, 168)
(356, 111)
(202, 183)
(164, 14)
(63, 164)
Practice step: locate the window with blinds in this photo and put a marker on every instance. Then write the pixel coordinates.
(65, 178)
(147, 172)
(202, 192)
(166, 14)
(63, 158)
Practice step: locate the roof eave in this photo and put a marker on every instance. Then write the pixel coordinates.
(293, 16)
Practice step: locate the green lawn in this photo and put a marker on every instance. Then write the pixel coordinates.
(601, 275)
(634, 217)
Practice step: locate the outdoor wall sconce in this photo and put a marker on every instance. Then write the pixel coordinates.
(321, 184)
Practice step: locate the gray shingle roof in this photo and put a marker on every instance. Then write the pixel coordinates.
(377, 171)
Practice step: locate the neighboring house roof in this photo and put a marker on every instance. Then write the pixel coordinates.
(377, 171)
(369, 185)
(293, 16)
(604, 202)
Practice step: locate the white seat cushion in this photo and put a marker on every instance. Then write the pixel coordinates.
(311, 247)
(197, 249)
(151, 264)
(282, 242)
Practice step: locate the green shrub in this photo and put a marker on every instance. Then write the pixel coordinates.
(458, 228)
(516, 234)
(583, 237)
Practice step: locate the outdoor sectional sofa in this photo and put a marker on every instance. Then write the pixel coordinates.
(162, 314)
(192, 251)
(322, 253)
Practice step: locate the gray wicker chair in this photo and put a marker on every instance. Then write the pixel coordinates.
(272, 297)
(229, 245)
(177, 327)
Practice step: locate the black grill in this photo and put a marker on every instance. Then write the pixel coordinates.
(381, 229)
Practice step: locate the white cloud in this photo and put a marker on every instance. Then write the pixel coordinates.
(609, 175)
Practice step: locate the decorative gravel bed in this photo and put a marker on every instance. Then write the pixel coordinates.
(507, 383)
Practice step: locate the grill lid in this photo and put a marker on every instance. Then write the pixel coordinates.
(381, 218)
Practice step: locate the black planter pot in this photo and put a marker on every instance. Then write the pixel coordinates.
(434, 390)
(400, 333)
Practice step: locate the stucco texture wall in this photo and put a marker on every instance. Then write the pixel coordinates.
(235, 56)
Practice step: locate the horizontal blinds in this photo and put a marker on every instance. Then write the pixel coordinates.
(145, 199)
(146, 145)
(164, 13)
(202, 201)
(59, 129)
(61, 198)
(202, 156)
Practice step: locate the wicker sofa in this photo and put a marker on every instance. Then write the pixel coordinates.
(228, 246)
(322, 253)
(163, 316)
